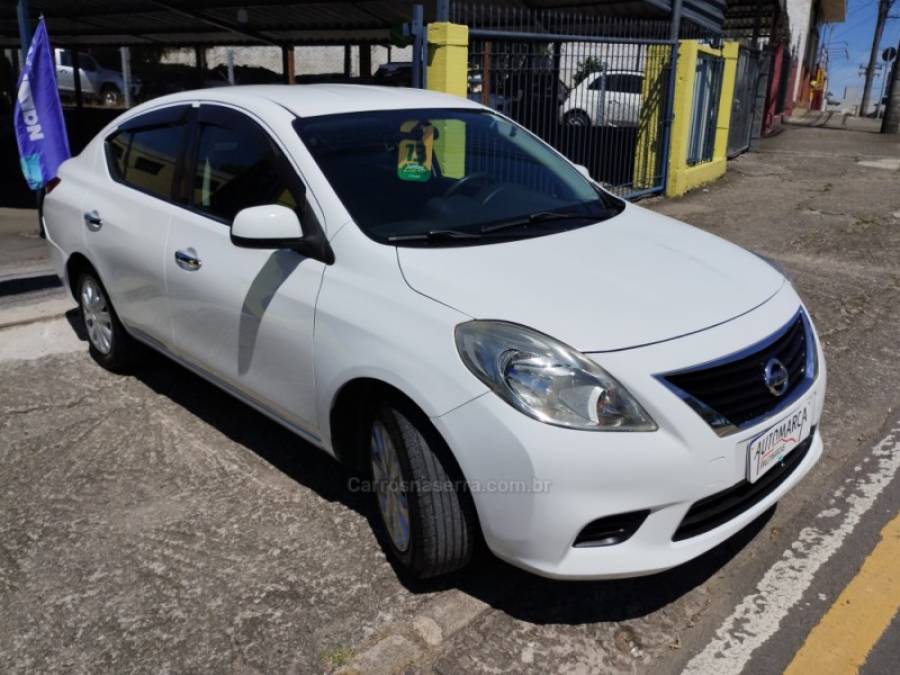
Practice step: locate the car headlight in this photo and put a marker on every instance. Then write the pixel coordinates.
(546, 379)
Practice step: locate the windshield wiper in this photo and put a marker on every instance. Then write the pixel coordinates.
(540, 217)
(434, 235)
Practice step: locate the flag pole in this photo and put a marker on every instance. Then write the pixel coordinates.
(24, 17)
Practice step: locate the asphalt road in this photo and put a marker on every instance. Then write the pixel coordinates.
(152, 523)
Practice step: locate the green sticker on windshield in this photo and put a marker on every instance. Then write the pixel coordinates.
(414, 154)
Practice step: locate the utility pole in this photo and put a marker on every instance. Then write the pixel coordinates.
(884, 7)
(891, 122)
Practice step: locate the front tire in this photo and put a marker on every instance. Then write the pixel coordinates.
(109, 344)
(577, 118)
(425, 509)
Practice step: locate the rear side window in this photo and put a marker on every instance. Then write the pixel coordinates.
(237, 168)
(152, 158)
(146, 158)
(626, 84)
(145, 151)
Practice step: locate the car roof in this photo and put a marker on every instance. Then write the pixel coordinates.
(310, 100)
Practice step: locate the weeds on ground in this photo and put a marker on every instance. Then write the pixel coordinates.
(337, 657)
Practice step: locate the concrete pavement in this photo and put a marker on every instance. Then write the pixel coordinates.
(151, 522)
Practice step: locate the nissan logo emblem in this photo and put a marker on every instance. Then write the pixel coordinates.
(775, 375)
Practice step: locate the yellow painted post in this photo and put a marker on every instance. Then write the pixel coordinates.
(682, 177)
(448, 71)
(448, 58)
(685, 70)
(653, 103)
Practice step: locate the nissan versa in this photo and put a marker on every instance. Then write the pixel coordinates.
(427, 291)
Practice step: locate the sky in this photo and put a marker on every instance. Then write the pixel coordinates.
(850, 43)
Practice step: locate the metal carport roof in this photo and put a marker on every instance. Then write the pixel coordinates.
(236, 22)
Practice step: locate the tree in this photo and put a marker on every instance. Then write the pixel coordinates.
(884, 7)
(591, 64)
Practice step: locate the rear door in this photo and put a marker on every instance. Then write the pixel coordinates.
(128, 212)
(244, 316)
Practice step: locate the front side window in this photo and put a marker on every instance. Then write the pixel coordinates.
(408, 176)
(87, 63)
(236, 169)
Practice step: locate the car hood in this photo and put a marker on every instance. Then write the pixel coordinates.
(632, 280)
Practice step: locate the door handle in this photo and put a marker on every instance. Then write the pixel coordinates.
(93, 220)
(187, 259)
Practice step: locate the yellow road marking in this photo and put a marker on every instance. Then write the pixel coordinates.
(847, 632)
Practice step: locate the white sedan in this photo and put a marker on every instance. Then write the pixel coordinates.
(605, 98)
(431, 294)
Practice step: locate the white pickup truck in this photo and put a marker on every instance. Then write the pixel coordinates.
(97, 83)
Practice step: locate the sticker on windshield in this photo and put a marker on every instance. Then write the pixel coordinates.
(414, 152)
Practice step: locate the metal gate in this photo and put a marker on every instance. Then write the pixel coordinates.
(742, 107)
(596, 88)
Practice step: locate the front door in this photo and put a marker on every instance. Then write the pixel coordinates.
(243, 316)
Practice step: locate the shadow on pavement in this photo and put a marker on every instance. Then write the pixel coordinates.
(517, 593)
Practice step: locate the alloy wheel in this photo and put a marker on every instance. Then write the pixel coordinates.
(97, 316)
(388, 478)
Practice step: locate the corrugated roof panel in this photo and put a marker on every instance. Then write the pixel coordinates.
(209, 21)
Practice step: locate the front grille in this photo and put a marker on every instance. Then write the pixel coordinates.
(710, 512)
(610, 530)
(735, 389)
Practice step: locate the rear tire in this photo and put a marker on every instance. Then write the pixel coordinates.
(426, 512)
(111, 96)
(109, 343)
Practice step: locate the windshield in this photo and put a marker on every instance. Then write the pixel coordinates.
(451, 177)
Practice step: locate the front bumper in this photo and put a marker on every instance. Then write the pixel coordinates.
(535, 486)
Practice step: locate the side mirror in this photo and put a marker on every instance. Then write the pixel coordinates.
(269, 226)
(583, 170)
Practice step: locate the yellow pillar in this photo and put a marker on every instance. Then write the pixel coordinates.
(448, 71)
(685, 72)
(683, 177)
(653, 107)
(448, 58)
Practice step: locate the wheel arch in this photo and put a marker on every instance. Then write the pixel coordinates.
(351, 406)
(76, 265)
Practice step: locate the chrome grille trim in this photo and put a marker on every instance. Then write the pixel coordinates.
(720, 423)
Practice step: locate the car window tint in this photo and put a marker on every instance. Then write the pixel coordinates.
(151, 159)
(116, 151)
(597, 83)
(65, 58)
(237, 169)
(633, 84)
(87, 63)
(407, 172)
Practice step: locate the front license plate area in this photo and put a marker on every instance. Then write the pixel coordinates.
(768, 448)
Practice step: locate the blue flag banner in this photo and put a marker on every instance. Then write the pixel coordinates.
(38, 116)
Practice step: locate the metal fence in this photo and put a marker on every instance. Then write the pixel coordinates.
(596, 88)
(742, 107)
(705, 108)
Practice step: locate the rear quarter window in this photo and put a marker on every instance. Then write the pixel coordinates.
(116, 151)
